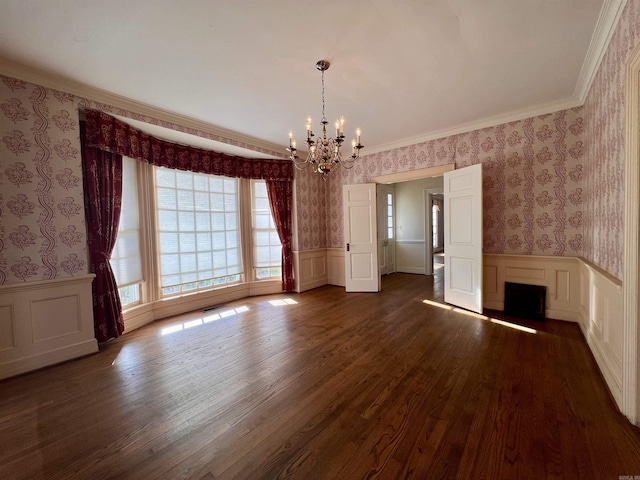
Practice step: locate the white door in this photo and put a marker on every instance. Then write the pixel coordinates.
(360, 236)
(463, 238)
(428, 234)
(386, 229)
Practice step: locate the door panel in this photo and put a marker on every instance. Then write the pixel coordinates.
(463, 238)
(386, 229)
(361, 239)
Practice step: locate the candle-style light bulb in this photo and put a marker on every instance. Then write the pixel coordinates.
(341, 125)
(358, 135)
(353, 146)
(337, 128)
(290, 139)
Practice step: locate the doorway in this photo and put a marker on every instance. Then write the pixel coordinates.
(410, 230)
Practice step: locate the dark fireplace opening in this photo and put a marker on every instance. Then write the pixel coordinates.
(525, 301)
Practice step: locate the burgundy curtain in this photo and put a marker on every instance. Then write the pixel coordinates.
(103, 198)
(109, 134)
(281, 203)
(112, 135)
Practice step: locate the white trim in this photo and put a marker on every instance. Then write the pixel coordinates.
(605, 26)
(630, 400)
(417, 174)
(428, 228)
(56, 82)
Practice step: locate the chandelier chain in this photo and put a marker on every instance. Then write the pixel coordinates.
(324, 118)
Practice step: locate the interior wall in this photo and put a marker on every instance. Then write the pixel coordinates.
(410, 224)
(604, 149)
(532, 181)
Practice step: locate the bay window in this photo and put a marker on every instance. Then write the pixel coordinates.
(207, 231)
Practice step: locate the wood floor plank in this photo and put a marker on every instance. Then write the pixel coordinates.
(330, 385)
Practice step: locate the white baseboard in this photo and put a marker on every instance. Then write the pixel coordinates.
(406, 269)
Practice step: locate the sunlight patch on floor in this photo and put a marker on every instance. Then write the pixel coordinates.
(281, 302)
(513, 325)
(439, 305)
(480, 316)
(196, 322)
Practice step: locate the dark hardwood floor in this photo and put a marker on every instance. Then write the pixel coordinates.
(323, 385)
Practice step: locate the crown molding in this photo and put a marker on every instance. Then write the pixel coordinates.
(605, 27)
(50, 80)
(514, 116)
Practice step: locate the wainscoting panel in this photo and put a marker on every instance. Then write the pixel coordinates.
(310, 269)
(45, 322)
(7, 330)
(602, 323)
(560, 275)
(490, 280)
(335, 262)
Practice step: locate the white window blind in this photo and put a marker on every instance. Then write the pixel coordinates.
(389, 215)
(198, 230)
(126, 261)
(267, 248)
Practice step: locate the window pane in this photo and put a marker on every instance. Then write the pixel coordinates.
(126, 257)
(167, 221)
(129, 295)
(194, 229)
(168, 242)
(165, 178)
(167, 198)
(267, 249)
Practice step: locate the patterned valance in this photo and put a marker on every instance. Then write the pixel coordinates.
(110, 134)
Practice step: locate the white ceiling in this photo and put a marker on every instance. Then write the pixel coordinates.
(403, 71)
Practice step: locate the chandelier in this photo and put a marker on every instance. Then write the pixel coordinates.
(324, 153)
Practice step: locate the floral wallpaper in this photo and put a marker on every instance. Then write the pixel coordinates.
(604, 148)
(42, 230)
(532, 181)
(311, 210)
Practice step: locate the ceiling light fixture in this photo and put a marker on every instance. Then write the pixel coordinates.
(324, 153)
